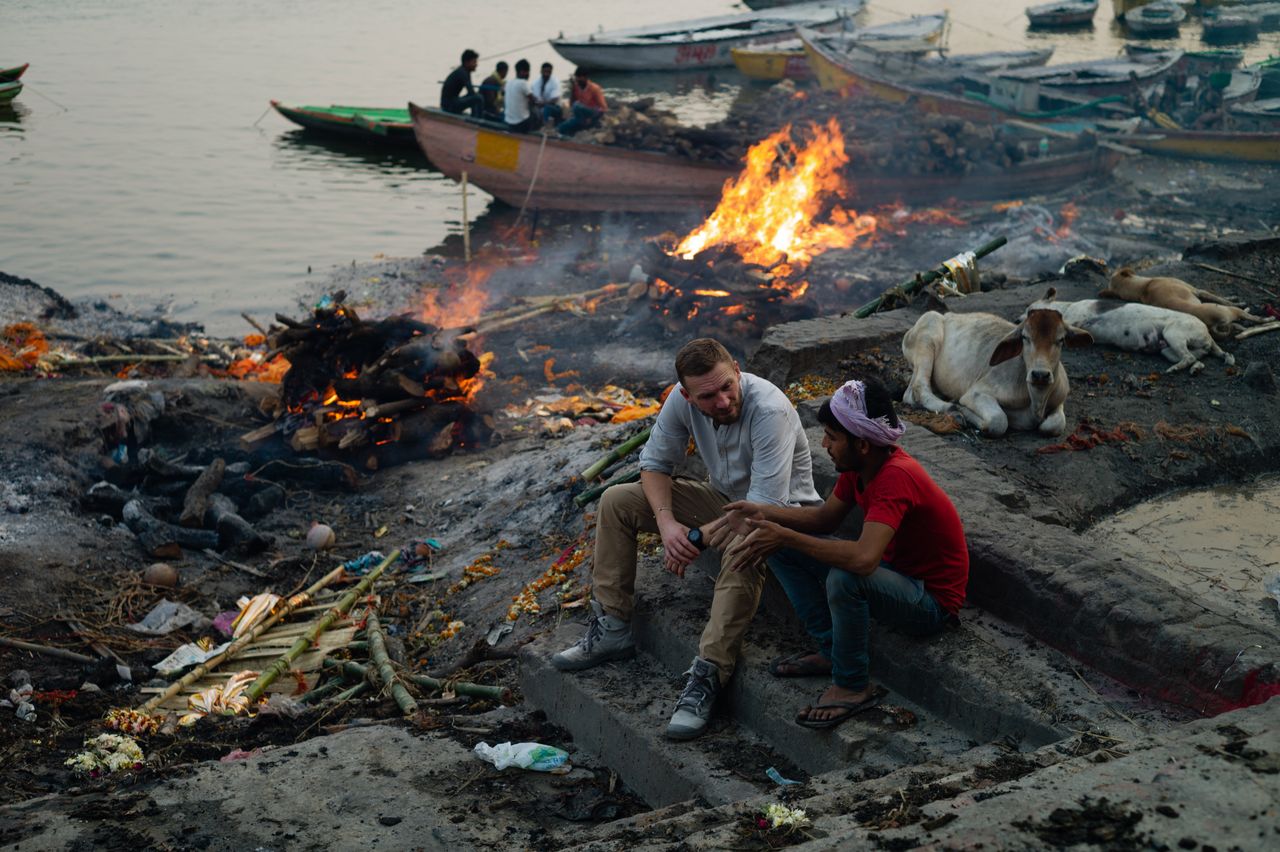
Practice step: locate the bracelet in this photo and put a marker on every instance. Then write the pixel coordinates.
(663, 509)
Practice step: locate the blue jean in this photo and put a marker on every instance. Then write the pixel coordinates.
(836, 608)
(583, 116)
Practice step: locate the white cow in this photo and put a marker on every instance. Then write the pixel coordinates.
(1181, 338)
(968, 364)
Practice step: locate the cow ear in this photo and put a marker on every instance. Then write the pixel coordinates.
(1010, 347)
(1078, 337)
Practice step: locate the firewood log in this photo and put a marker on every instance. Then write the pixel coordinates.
(234, 532)
(197, 498)
(160, 539)
(315, 472)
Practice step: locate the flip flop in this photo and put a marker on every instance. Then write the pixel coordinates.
(797, 667)
(854, 708)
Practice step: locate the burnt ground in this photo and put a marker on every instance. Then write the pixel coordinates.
(513, 502)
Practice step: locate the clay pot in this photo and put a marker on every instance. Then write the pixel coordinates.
(320, 537)
(160, 574)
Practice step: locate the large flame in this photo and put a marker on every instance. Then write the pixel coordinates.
(770, 213)
(461, 301)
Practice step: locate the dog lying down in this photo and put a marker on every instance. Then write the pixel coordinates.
(1221, 316)
(1181, 338)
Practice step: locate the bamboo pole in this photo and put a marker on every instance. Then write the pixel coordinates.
(352, 670)
(616, 454)
(306, 640)
(352, 692)
(237, 646)
(913, 284)
(592, 493)
(466, 222)
(383, 669)
(323, 691)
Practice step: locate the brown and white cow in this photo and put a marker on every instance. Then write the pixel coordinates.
(968, 363)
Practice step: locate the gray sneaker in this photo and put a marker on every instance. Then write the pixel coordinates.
(607, 638)
(693, 710)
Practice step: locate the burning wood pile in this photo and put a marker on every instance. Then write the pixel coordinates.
(380, 392)
(883, 138)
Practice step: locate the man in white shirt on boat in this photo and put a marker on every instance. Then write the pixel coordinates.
(546, 96)
(518, 101)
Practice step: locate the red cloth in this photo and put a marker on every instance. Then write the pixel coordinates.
(590, 95)
(928, 542)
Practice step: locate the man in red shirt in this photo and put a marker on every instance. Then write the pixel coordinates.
(587, 103)
(908, 568)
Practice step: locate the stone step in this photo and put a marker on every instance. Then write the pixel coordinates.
(619, 712)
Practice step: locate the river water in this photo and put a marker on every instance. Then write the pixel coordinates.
(138, 165)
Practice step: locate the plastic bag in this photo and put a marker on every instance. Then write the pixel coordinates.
(535, 756)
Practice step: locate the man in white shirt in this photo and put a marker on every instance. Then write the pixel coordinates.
(546, 96)
(517, 101)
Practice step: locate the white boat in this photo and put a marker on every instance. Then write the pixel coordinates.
(1267, 111)
(786, 59)
(1101, 77)
(1066, 13)
(701, 43)
(1161, 18)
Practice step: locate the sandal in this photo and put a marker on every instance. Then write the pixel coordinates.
(852, 708)
(796, 665)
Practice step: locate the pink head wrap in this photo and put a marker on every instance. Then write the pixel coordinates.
(849, 406)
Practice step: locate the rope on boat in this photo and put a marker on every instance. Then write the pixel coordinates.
(537, 165)
(514, 49)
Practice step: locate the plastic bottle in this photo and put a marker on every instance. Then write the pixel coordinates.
(535, 756)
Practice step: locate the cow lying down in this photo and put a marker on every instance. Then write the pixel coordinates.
(1181, 338)
(969, 364)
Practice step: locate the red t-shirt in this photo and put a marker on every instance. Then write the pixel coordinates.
(928, 542)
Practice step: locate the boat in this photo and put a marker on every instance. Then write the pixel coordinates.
(1068, 13)
(701, 43)
(562, 174)
(786, 60)
(8, 75)
(1122, 8)
(1265, 111)
(1205, 61)
(1228, 27)
(1237, 87)
(1162, 18)
(380, 125)
(969, 95)
(1260, 147)
(9, 91)
(1101, 77)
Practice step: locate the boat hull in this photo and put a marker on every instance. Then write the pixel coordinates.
(9, 91)
(557, 174)
(772, 65)
(8, 75)
(350, 124)
(1209, 145)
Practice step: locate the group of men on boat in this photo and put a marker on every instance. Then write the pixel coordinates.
(524, 106)
(908, 567)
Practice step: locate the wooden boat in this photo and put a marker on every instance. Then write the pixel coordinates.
(1067, 13)
(1237, 87)
(1121, 8)
(980, 97)
(1205, 61)
(1208, 145)
(1228, 27)
(1265, 112)
(1162, 18)
(1101, 77)
(702, 43)
(8, 75)
(786, 59)
(380, 125)
(9, 91)
(560, 174)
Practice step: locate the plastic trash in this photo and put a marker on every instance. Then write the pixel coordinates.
(187, 656)
(168, 616)
(776, 777)
(535, 756)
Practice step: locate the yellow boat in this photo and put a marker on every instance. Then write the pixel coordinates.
(1208, 145)
(786, 60)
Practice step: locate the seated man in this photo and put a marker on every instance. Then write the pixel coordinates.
(586, 100)
(517, 101)
(451, 97)
(546, 96)
(909, 568)
(750, 439)
(491, 91)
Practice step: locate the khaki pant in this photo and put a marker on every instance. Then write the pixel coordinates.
(624, 512)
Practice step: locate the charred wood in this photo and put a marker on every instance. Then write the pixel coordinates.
(160, 539)
(234, 532)
(196, 500)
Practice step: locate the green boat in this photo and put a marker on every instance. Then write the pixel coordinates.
(9, 91)
(8, 75)
(375, 125)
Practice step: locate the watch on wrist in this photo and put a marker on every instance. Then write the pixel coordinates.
(695, 538)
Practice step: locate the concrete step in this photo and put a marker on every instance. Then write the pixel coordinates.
(619, 712)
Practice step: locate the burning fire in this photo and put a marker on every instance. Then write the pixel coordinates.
(770, 213)
(461, 302)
